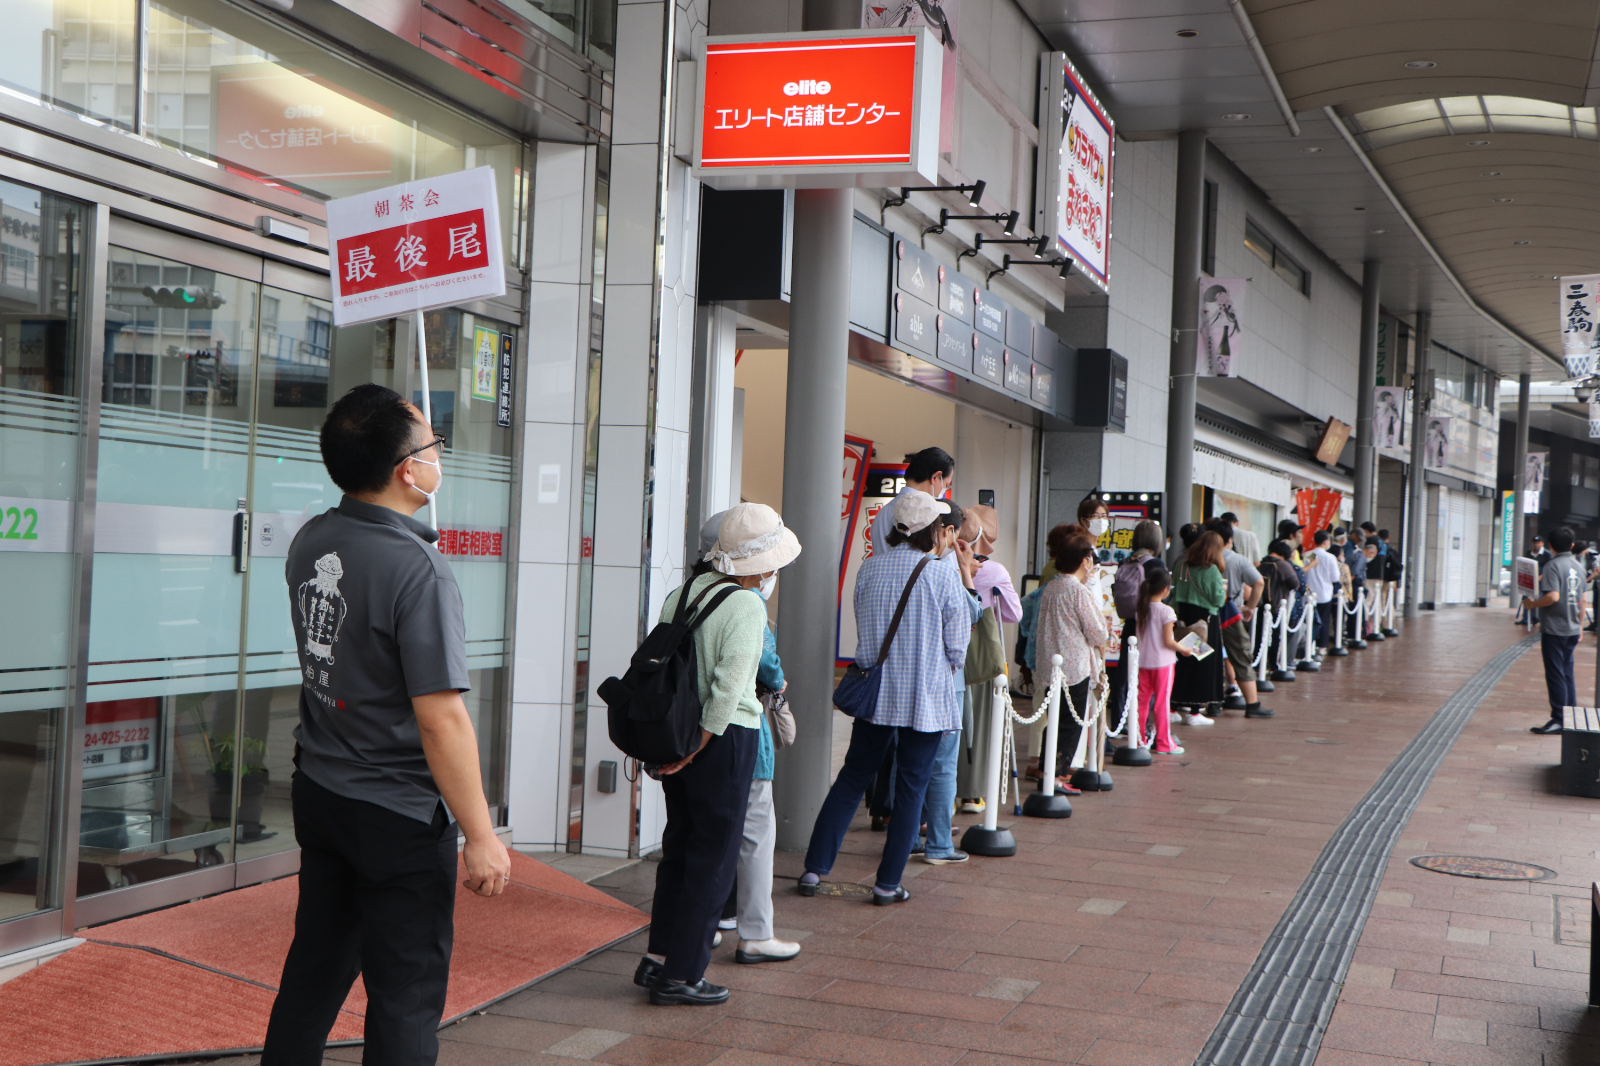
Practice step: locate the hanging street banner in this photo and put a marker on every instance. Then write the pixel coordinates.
(1219, 344)
(818, 110)
(1316, 508)
(413, 247)
(1580, 340)
(1388, 416)
(1077, 140)
(1532, 482)
(1508, 525)
(1436, 442)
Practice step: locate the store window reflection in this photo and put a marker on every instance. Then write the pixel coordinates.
(163, 746)
(40, 318)
(78, 54)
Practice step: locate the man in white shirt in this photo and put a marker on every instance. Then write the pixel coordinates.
(1322, 574)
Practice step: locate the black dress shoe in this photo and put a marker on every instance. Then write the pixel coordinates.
(702, 993)
(648, 973)
(807, 890)
(1551, 727)
(900, 895)
(1255, 710)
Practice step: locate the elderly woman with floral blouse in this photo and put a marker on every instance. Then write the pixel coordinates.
(1070, 625)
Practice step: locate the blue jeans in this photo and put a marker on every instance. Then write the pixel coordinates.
(1558, 671)
(868, 743)
(941, 797)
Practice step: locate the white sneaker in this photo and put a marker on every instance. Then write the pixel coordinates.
(728, 923)
(1174, 718)
(716, 939)
(1197, 719)
(751, 951)
(1174, 750)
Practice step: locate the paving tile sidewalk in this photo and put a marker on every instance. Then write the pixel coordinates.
(1118, 936)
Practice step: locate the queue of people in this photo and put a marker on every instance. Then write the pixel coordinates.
(929, 605)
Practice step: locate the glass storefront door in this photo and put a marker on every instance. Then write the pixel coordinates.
(219, 371)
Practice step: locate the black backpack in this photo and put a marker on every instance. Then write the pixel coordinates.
(653, 710)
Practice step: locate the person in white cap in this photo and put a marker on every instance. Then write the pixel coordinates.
(708, 792)
(919, 698)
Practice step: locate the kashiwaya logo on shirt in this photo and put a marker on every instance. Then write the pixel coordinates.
(323, 608)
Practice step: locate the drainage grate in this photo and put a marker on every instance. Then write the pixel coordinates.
(843, 890)
(1484, 869)
(1282, 1009)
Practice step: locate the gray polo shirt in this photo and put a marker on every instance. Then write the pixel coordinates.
(1564, 618)
(377, 620)
(1241, 575)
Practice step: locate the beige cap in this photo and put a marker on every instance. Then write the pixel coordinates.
(917, 510)
(752, 540)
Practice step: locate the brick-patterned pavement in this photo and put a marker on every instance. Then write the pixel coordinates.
(1118, 936)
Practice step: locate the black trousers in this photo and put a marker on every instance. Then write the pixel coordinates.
(706, 803)
(1558, 682)
(1067, 730)
(377, 898)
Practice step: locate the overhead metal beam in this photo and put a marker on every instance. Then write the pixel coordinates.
(1248, 29)
(1427, 245)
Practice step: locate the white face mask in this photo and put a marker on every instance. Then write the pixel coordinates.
(1098, 526)
(439, 485)
(768, 583)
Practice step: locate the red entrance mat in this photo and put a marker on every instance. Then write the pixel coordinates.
(201, 977)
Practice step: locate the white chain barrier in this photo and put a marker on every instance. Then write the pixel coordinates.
(1000, 715)
(1284, 612)
(1260, 663)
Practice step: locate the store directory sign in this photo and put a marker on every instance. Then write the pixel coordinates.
(423, 244)
(818, 110)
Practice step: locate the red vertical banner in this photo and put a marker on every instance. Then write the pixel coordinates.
(1317, 507)
(857, 454)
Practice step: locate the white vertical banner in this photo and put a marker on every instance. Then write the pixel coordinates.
(1580, 340)
(1388, 416)
(1594, 418)
(1220, 340)
(1532, 482)
(1436, 442)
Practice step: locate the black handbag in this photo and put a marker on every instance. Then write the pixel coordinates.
(857, 692)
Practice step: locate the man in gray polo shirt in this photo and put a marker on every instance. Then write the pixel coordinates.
(1245, 587)
(386, 758)
(1560, 606)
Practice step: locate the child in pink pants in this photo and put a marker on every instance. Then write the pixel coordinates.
(1158, 656)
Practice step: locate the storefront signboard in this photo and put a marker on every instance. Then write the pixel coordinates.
(987, 358)
(1076, 150)
(913, 324)
(989, 314)
(503, 398)
(1044, 382)
(1019, 373)
(1046, 345)
(1580, 339)
(916, 271)
(1508, 525)
(29, 525)
(818, 110)
(416, 246)
(121, 737)
(1019, 333)
(956, 294)
(485, 364)
(955, 342)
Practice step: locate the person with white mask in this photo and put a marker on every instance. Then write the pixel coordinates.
(749, 906)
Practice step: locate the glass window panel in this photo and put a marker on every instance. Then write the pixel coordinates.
(1258, 242)
(162, 748)
(1522, 105)
(1398, 115)
(272, 107)
(1532, 124)
(1290, 272)
(73, 54)
(40, 418)
(1410, 131)
(1459, 106)
(1470, 124)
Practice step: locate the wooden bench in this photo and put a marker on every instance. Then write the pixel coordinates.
(1580, 751)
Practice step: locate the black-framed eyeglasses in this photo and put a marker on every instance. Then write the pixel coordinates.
(440, 441)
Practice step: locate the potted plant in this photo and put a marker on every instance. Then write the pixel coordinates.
(225, 749)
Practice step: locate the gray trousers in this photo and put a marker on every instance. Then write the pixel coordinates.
(755, 864)
(972, 760)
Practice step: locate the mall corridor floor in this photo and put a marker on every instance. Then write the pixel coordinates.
(1120, 936)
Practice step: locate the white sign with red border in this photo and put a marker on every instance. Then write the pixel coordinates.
(413, 247)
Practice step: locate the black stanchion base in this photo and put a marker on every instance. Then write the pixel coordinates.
(1128, 755)
(1391, 632)
(1234, 702)
(997, 843)
(1264, 685)
(1306, 666)
(1091, 780)
(1336, 653)
(1357, 645)
(1375, 635)
(1283, 676)
(1038, 805)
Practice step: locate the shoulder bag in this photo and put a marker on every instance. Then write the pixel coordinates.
(986, 653)
(857, 692)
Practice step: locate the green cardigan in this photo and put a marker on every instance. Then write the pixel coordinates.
(1204, 588)
(727, 651)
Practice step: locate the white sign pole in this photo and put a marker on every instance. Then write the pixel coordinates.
(427, 405)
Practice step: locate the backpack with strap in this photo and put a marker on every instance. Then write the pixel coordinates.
(1125, 587)
(653, 710)
(857, 692)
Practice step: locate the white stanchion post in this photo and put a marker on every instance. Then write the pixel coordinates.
(1136, 752)
(1337, 649)
(1359, 614)
(1388, 612)
(1047, 803)
(988, 838)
